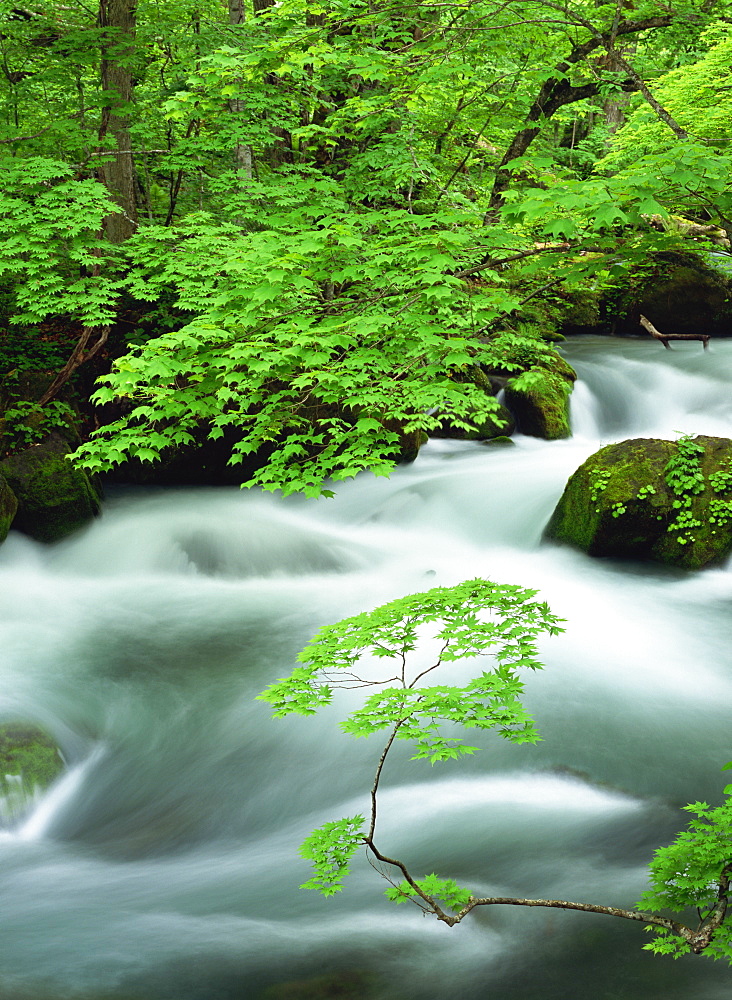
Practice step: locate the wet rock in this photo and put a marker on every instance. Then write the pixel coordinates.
(26, 385)
(500, 422)
(24, 421)
(54, 498)
(409, 446)
(539, 399)
(8, 508)
(582, 313)
(500, 442)
(679, 293)
(621, 503)
(29, 762)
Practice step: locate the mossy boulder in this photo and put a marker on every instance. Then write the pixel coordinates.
(582, 312)
(54, 498)
(678, 292)
(26, 385)
(500, 423)
(8, 508)
(29, 762)
(621, 503)
(539, 400)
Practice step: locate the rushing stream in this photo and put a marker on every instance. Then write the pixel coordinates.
(164, 865)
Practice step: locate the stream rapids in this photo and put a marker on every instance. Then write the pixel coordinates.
(164, 864)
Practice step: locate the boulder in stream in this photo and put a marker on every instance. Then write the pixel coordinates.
(539, 399)
(29, 762)
(678, 292)
(650, 499)
(54, 498)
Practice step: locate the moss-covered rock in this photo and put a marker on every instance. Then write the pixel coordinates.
(29, 762)
(54, 498)
(582, 312)
(409, 446)
(26, 385)
(500, 423)
(678, 292)
(539, 399)
(500, 442)
(621, 503)
(8, 508)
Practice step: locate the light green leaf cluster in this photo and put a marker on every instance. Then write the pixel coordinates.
(476, 618)
(698, 95)
(446, 890)
(323, 343)
(50, 243)
(587, 208)
(685, 875)
(330, 849)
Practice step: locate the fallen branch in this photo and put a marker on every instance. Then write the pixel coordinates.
(665, 337)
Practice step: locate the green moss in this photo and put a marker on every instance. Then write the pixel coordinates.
(501, 442)
(29, 753)
(677, 291)
(539, 399)
(619, 503)
(409, 446)
(582, 311)
(499, 424)
(54, 499)
(29, 761)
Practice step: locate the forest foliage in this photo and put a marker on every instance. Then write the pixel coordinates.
(336, 213)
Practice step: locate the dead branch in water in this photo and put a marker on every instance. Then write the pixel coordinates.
(665, 337)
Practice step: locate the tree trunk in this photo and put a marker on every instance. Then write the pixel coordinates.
(117, 17)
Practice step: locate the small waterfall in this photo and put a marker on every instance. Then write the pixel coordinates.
(56, 799)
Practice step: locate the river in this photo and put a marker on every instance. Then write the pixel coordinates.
(164, 864)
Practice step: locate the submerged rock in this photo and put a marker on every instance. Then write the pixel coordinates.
(669, 502)
(351, 985)
(29, 762)
(54, 498)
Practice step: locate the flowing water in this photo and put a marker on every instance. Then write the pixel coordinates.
(164, 865)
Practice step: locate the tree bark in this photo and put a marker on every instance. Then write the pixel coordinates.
(118, 174)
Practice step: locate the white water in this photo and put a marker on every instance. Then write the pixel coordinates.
(164, 865)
